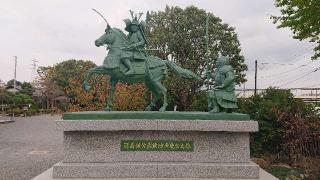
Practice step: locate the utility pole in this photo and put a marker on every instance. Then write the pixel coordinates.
(2, 91)
(15, 74)
(244, 90)
(34, 69)
(255, 76)
(316, 96)
(14, 82)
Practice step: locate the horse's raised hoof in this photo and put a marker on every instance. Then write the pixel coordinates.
(108, 109)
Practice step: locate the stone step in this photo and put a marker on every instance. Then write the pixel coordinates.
(156, 170)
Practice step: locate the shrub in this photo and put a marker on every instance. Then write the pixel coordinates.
(287, 126)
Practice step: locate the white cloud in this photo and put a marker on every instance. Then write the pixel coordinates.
(55, 30)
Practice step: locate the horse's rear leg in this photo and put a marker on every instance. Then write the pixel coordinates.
(161, 90)
(153, 101)
(112, 89)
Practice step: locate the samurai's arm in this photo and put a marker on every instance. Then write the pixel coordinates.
(141, 42)
(229, 79)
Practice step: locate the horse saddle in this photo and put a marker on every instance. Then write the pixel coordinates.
(138, 67)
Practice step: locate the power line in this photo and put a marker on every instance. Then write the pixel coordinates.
(263, 64)
(282, 64)
(281, 74)
(297, 55)
(313, 85)
(290, 70)
(307, 74)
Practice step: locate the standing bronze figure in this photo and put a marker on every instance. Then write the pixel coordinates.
(223, 94)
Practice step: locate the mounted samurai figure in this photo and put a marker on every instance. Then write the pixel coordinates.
(137, 41)
(127, 61)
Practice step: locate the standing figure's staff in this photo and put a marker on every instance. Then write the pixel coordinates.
(207, 50)
(102, 17)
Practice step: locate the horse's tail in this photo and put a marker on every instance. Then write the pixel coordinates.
(182, 72)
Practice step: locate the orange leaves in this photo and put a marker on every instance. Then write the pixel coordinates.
(128, 98)
(68, 76)
(93, 100)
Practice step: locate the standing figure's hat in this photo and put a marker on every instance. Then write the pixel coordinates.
(224, 60)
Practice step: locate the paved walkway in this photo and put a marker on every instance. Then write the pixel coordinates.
(29, 146)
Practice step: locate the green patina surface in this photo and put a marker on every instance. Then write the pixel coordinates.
(129, 61)
(156, 145)
(168, 115)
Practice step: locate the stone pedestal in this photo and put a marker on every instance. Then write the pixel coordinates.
(156, 144)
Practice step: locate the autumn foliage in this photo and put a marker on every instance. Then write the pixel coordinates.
(130, 97)
(68, 76)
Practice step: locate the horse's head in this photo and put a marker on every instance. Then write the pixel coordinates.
(112, 36)
(106, 38)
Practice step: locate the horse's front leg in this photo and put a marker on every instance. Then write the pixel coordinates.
(112, 89)
(90, 72)
(87, 76)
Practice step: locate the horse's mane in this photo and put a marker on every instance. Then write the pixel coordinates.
(120, 32)
(121, 35)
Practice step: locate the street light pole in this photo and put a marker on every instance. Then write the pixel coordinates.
(255, 77)
(2, 91)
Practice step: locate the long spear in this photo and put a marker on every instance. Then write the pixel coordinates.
(102, 17)
(207, 50)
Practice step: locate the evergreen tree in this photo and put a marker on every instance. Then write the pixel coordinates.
(180, 35)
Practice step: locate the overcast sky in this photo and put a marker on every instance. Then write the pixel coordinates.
(52, 31)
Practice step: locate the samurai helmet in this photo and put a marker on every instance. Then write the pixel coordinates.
(128, 24)
(135, 21)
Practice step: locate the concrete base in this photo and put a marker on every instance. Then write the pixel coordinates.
(48, 175)
(106, 148)
(156, 170)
